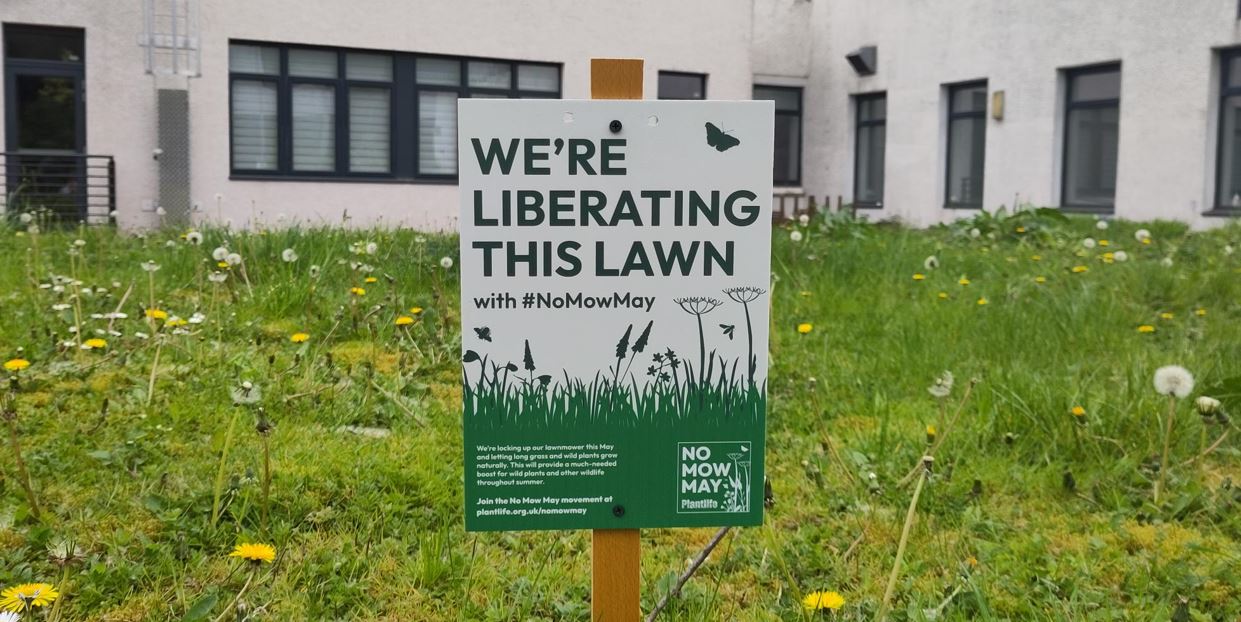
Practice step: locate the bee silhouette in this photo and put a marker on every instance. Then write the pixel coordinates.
(483, 333)
(728, 330)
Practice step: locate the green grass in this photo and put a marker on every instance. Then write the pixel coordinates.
(371, 528)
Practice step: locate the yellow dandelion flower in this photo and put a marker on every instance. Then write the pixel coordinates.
(919, 277)
(1080, 269)
(816, 601)
(176, 321)
(1104, 243)
(1109, 257)
(804, 293)
(1146, 328)
(16, 364)
(1146, 240)
(971, 561)
(1078, 411)
(415, 310)
(943, 295)
(299, 337)
(27, 596)
(157, 314)
(223, 265)
(805, 327)
(1200, 312)
(982, 301)
(371, 279)
(404, 320)
(255, 552)
(963, 281)
(1040, 279)
(357, 291)
(1036, 257)
(1020, 229)
(1166, 315)
(95, 343)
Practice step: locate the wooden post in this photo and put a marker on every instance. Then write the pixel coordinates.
(615, 553)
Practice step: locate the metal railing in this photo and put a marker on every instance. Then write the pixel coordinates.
(69, 188)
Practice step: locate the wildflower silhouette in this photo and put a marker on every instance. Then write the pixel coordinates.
(746, 295)
(699, 306)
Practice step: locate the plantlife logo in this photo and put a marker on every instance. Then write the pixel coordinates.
(713, 477)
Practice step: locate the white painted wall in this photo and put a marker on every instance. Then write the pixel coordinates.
(1166, 163)
(693, 35)
(1167, 127)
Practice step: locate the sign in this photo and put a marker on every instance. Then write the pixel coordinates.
(615, 270)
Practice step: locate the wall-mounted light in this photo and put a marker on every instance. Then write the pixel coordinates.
(864, 60)
(997, 105)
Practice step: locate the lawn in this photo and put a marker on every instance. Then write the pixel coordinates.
(311, 399)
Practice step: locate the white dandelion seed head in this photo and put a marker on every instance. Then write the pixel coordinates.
(446, 262)
(975, 233)
(25, 218)
(420, 240)
(160, 211)
(150, 266)
(804, 219)
(32, 229)
(233, 259)
(247, 385)
(217, 277)
(59, 289)
(170, 244)
(194, 238)
(931, 262)
(197, 318)
(1228, 249)
(1207, 405)
(1166, 262)
(943, 385)
(289, 255)
(1120, 256)
(79, 242)
(1089, 243)
(219, 253)
(314, 271)
(1101, 225)
(1174, 380)
(1141, 234)
(142, 335)
(795, 236)
(372, 248)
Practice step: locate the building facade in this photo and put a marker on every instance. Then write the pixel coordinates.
(325, 113)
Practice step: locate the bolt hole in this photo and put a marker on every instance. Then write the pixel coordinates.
(652, 120)
(568, 117)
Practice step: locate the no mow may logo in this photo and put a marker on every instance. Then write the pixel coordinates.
(713, 477)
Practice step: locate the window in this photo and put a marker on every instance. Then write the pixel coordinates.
(788, 132)
(1091, 137)
(967, 144)
(1228, 158)
(440, 81)
(870, 136)
(303, 112)
(681, 85)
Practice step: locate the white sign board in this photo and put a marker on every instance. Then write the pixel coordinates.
(615, 269)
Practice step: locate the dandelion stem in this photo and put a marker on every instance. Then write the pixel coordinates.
(900, 548)
(22, 473)
(159, 346)
(1167, 442)
(218, 489)
(266, 480)
(54, 614)
(232, 605)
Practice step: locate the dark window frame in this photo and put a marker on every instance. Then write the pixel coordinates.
(794, 182)
(404, 90)
(954, 115)
(1226, 57)
(1069, 106)
(858, 124)
(18, 66)
(682, 74)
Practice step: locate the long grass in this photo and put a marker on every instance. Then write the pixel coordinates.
(367, 518)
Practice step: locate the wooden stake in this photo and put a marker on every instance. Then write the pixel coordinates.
(615, 589)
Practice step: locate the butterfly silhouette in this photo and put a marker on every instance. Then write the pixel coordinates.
(718, 139)
(728, 330)
(483, 333)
